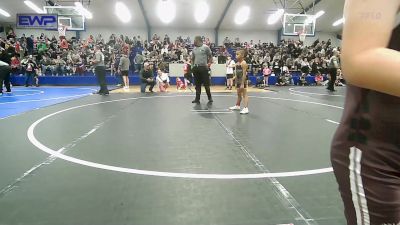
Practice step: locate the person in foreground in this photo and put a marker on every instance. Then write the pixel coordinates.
(241, 82)
(365, 150)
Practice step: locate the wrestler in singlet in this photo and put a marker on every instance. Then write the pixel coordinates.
(366, 154)
(239, 76)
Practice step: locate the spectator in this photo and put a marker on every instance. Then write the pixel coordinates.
(302, 80)
(42, 48)
(15, 65)
(138, 62)
(340, 79)
(319, 79)
(266, 73)
(11, 34)
(64, 44)
(230, 65)
(59, 66)
(163, 81)
(147, 78)
(123, 69)
(180, 85)
(46, 65)
(187, 73)
(276, 67)
(29, 44)
(305, 67)
(30, 68)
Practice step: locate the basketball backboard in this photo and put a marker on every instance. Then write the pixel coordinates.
(68, 16)
(293, 24)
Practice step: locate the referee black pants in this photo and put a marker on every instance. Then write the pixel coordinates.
(5, 77)
(332, 80)
(201, 77)
(100, 72)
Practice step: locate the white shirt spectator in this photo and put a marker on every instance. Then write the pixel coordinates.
(164, 50)
(229, 66)
(61, 30)
(163, 77)
(215, 60)
(304, 63)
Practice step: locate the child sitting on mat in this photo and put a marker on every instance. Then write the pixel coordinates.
(180, 85)
(163, 81)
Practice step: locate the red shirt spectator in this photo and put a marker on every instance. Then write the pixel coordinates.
(319, 79)
(125, 48)
(17, 47)
(90, 39)
(64, 44)
(15, 63)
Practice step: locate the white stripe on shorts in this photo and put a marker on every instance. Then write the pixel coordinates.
(357, 187)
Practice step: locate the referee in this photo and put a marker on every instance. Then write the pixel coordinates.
(201, 58)
(5, 71)
(100, 71)
(333, 67)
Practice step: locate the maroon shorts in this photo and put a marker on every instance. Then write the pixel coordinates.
(369, 183)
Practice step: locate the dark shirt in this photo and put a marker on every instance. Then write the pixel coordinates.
(29, 42)
(144, 75)
(6, 55)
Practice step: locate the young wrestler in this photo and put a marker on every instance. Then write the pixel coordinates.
(241, 82)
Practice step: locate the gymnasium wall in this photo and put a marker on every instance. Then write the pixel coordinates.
(263, 35)
(107, 31)
(173, 33)
(37, 32)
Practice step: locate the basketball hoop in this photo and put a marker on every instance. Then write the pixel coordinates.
(302, 36)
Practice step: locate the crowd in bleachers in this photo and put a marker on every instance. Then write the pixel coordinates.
(70, 56)
(287, 58)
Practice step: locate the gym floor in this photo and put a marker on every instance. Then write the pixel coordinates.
(158, 159)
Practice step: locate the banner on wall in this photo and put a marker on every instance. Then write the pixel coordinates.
(37, 21)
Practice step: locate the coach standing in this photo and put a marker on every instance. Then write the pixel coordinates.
(5, 71)
(100, 71)
(201, 58)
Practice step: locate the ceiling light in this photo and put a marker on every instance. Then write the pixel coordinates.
(201, 12)
(338, 22)
(272, 19)
(83, 10)
(122, 12)
(166, 10)
(312, 18)
(242, 15)
(4, 13)
(34, 7)
(319, 14)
